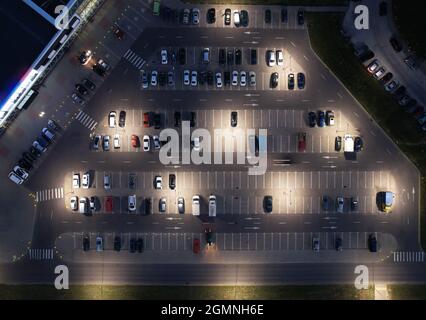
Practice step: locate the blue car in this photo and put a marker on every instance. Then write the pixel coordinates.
(301, 81)
(42, 141)
(321, 119)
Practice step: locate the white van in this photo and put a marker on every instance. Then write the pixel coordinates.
(196, 205)
(212, 206)
(83, 205)
(15, 178)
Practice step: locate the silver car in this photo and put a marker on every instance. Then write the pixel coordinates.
(181, 205)
(163, 205)
(340, 204)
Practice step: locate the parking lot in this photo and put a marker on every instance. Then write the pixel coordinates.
(230, 241)
(238, 193)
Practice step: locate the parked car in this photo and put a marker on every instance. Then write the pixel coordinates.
(268, 16)
(312, 117)
(211, 15)
(358, 144)
(146, 143)
(340, 204)
(338, 144)
(267, 204)
(131, 203)
(234, 119)
(274, 80)
(302, 141)
(290, 81)
(300, 17)
(227, 17)
(301, 81)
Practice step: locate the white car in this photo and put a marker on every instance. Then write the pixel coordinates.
(22, 173)
(252, 76)
(117, 141)
(154, 75)
(339, 203)
(156, 140)
(195, 16)
(146, 143)
(194, 80)
(85, 183)
(212, 206)
(83, 205)
(112, 119)
(104, 64)
(15, 178)
(74, 203)
(280, 58)
(164, 59)
(132, 202)
(379, 73)
(158, 183)
(236, 18)
(76, 181)
(372, 67)
(186, 77)
(235, 78)
(271, 58)
(107, 181)
(48, 134)
(219, 83)
(243, 78)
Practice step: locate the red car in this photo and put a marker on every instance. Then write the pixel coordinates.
(302, 141)
(196, 246)
(118, 33)
(146, 120)
(135, 141)
(108, 204)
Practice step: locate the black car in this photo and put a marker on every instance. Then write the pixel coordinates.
(227, 78)
(86, 243)
(312, 116)
(117, 243)
(98, 69)
(267, 204)
(284, 15)
(178, 118)
(395, 44)
(202, 77)
(193, 121)
(268, 16)
(35, 152)
(354, 204)
(89, 84)
(301, 17)
(139, 245)
(29, 156)
(210, 78)
(157, 121)
(227, 17)
(338, 144)
(301, 81)
(358, 144)
(172, 181)
(81, 89)
(182, 56)
(244, 17)
(291, 81)
(386, 78)
(274, 80)
(222, 56)
(372, 243)
(238, 57)
(339, 244)
(234, 119)
(383, 8)
(132, 246)
(253, 56)
(132, 181)
(230, 57)
(211, 15)
(209, 236)
(400, 91)
(367, 55)
(23, 163)
(122, 119)
(148, 206)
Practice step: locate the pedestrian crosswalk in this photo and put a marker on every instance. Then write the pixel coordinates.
(86, 120)
(409, 256)
(40, 254)
(50, 194)
(134, 59)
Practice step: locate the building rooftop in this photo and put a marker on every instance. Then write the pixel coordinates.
(24, 35)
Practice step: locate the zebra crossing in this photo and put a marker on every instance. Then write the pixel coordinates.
(403, 256)
(86, 120)
(134, 59)
(40, 254)
(50, 194)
